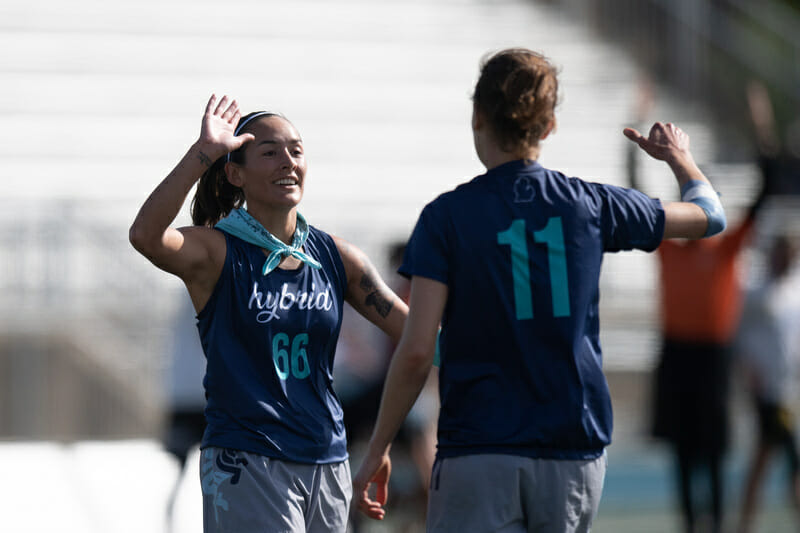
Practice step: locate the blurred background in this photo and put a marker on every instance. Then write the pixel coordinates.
(99, 100)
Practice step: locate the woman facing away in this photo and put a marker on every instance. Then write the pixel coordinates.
(269, 290)
(510, 264)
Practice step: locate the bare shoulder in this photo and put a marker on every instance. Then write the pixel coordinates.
(355, 261)
(203, 250)
(212, 240)
(203, 232)
(351, 254)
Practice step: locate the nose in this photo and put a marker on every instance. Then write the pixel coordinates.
(288, 161)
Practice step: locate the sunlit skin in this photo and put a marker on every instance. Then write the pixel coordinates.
(273, 173)
(272, 176)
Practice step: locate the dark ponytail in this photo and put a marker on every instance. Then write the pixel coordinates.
(215, 197)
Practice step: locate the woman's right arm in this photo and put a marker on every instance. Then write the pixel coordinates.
(699, 213)
(194, 254)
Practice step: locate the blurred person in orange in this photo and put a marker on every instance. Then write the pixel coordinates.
(700, 304)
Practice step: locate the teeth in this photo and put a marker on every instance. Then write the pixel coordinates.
(285, 182)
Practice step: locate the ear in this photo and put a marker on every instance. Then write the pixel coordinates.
(233, 175)
(477, 119)
(550, 127)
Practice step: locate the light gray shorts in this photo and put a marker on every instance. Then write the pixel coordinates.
(250, 493)
(509, 493)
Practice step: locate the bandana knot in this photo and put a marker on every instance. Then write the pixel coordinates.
(240, 223)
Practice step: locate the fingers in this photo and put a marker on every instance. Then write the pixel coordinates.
(382, 492)
(211, 105)
(370, 507)
(632, 134)
(246, 137)
(655, 128)
(376, 512)
(660, 130)
(221, 106)
(362, 483)
(225, 108)
(232, 111)
(659, 133)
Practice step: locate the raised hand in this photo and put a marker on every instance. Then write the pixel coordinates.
(669, 143)
(218, 127)
(666, 142)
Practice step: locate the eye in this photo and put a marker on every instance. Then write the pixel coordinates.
(269, 153)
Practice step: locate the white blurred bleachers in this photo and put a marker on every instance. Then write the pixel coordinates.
(99, 100)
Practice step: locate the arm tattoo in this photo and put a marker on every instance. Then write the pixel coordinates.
(205, 159)
(374, 297)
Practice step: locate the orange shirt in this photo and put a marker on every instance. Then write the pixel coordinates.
(700, 286)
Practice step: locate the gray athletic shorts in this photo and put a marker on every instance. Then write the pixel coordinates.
(509, 493)
(249, 493)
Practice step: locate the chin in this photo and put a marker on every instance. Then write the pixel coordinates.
(288, 201)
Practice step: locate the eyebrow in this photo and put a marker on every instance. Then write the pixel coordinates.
(291, 141)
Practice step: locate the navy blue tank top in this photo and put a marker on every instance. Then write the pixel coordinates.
(269, 343)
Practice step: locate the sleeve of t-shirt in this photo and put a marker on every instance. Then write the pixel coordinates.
(426, 252)
(630, 219)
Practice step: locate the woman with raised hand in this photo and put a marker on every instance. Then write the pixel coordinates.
(269, 290)
(509, 263)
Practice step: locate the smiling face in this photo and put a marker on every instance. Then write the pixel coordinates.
(273, 172)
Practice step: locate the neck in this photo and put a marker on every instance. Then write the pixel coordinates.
(279, 223)
(493, 160)
(492, 155)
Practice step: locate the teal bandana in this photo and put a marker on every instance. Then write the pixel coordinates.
(240, 223)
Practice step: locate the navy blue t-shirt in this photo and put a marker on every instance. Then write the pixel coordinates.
(269, 343)
(520, 249)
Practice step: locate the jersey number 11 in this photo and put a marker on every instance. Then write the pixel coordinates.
(553, 236)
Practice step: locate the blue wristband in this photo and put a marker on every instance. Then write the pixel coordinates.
(703, 195)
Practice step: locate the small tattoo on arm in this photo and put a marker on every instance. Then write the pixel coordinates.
(367, 284)
(374, 298)
(205, 159)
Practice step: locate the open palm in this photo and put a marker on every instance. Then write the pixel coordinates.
(219, 125)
